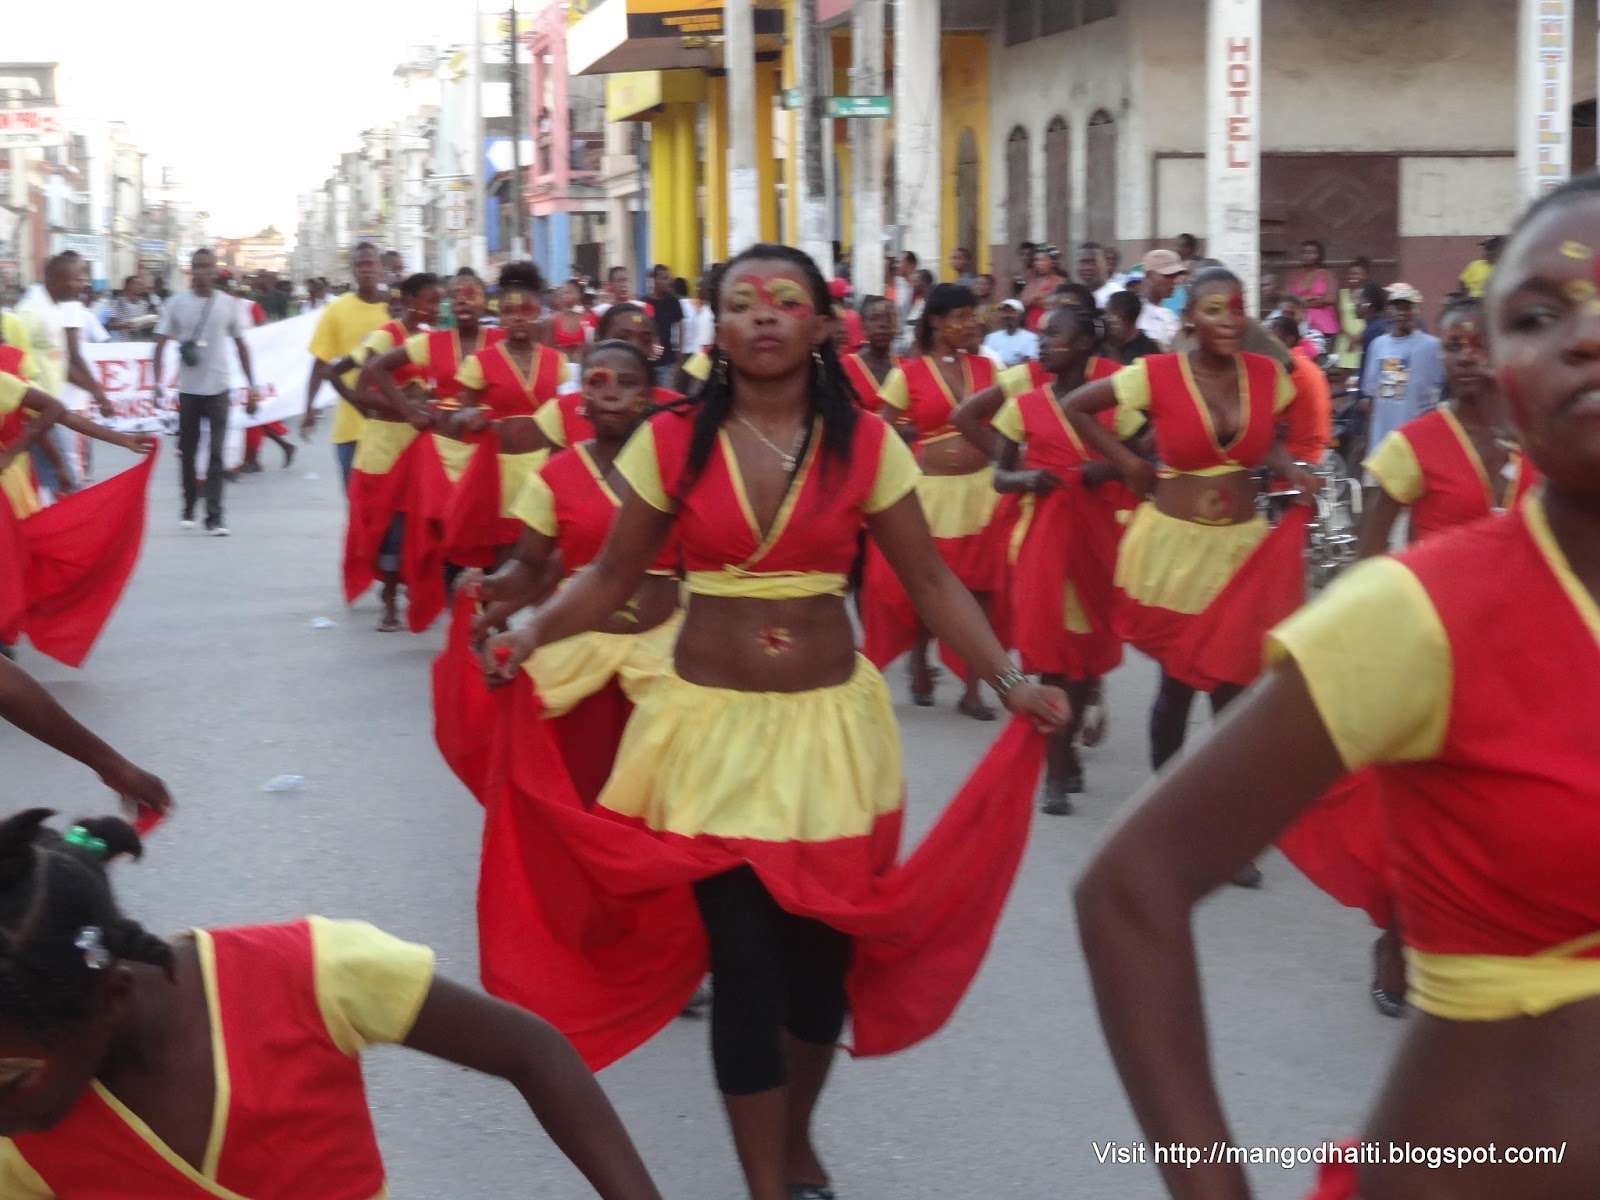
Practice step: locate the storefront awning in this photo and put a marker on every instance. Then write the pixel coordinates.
(660, 35)
(635, 92)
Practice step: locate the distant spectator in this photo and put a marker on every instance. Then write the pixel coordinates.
(1404, 370)
(916, 291)
(669, 320)
(983, 290)
(316, 295)
(1476, 275)
(1011, 345)
(961, 266)
(1314, 285)
(1188, 247)
(133, 313)
(1162, 270)
(1351, 323)
(1372, 302)
(1094, 272)
(1124, 339)
(1045, 276)
(1312, 344)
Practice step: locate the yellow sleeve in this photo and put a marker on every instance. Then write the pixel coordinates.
(1008, 422)
(1375, 657)
(470, 375)
(417, 352)
(548, 419)
(12, 390)
(19, 1181)
(897, 474)
(535, 506)
(376, 344)
(1015, 381)
(325, 340)
(895, 392)
(1132, 388)
(1394, 465)
(370, 986)
(1284, 396)
(639, 465)
(698, 366)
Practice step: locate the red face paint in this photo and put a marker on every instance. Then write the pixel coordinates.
(466, 295)
(785, 295)
(521, 308)
(600, 377)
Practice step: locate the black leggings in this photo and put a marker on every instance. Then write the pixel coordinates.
(1169, 716)
(770, 971)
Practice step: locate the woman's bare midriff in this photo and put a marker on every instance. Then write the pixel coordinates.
(1208, 499)
(519, 435)
(1524, 1083)
(653, 603)
(951, 456)
(766, 645)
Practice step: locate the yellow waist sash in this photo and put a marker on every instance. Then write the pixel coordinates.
(774, 585)
(1500, 987)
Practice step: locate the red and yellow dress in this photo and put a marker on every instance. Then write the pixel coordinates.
(1065, 544)
(62, 568)
(1430, 465)
(480, 523)
(563, 424)
(1466, 673)
(803, 787)
(1200, 598)
(291, 1008)
(875, 396)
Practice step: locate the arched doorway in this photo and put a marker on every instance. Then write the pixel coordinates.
(1019, 188)
(1058, 183)
(967, 191)
(1100, 166)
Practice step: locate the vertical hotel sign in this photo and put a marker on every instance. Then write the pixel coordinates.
(1544, 96)
(1233, 141)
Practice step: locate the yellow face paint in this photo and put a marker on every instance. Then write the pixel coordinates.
(1576, 250)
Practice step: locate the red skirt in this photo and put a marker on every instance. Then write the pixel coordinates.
(1071, 542)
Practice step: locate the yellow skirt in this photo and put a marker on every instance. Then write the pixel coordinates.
(16, 484)
(381, 445)
(958, 505)
(1179, 565)
(515, 471)
(568, 672)
(453, 456)
(811, 766)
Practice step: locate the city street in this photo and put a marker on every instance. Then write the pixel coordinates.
(212, 674)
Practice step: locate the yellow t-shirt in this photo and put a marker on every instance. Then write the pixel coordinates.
(896, 477)
(341, 328)
(370, 988)
(1476, 277)
(1376, 660)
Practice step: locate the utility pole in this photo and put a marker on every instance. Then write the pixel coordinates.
(519, 246)
(810, 132)
(744, 190)
(480, 240)
(866, 151)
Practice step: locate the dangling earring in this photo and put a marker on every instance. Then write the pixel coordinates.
(819, 369)
(718, 370)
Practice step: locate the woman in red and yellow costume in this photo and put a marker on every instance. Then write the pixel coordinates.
(1466, 673)
(569, 324)
(1063, 551)
(380, 476)
(956, 489)
(62, 568)
(502, 388)
(1201, 576)
(754, 812)
(561, 420)
(226, 1064)
(874, 371)
(1450, 467)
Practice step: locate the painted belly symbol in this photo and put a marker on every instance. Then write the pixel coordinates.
(775, 640)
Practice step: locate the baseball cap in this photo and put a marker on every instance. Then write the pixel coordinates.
(1404, 291)
(1016, 304)
(1162, 262)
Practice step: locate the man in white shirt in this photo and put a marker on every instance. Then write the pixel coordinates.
(1011, 345)
(1162, 270)
(1095, 273)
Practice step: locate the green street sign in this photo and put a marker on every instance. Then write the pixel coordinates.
(793, 98)
(856, 106)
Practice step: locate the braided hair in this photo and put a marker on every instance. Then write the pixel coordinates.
(53, 893)
(829, 393)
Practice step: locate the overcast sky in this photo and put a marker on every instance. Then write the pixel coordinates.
(250, 103)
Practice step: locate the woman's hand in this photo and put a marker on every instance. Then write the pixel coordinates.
(1041, 482)
(141, 792)
(139, 443)
(1098, 472)
(504, 654)
(470, 583)
(421, 419)
(1047, 708)
(1140, 477)
(471, 420)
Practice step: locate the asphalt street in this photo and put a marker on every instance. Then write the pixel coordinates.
(212, 674)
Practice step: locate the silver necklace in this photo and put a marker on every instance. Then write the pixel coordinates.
(788, 456)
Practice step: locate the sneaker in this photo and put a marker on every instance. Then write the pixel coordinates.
(187, 520)
(216, 529)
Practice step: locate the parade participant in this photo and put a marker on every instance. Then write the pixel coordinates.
(341, 328)
(873, 370)
(1467, 673)
(764, 769)
(380, 477)
(1200, 578)
(569, 329)
(567, 509)
(228, 1062)
(502, 388)
(1449, 467)
(1066, 539)
(62, 569)
(560, 419)
(957, 483)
